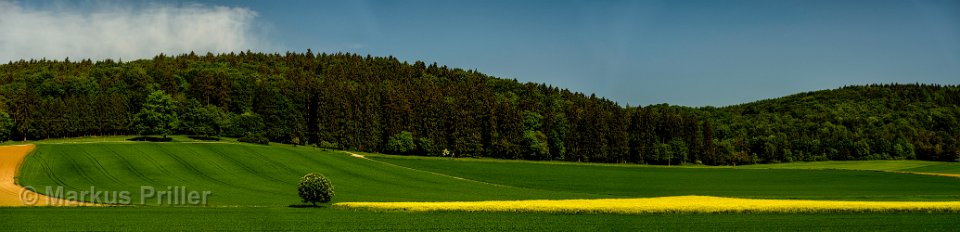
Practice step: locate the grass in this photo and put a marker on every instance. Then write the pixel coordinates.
(247, 175)
(872, 165)
(649, 181)
(253, 186)
(678, 204)
(331, 219)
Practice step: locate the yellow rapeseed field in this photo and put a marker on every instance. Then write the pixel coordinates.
(675, 204)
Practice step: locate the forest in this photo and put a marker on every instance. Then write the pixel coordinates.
(381, 104)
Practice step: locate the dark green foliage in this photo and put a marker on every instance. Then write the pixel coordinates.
(157, 116)
(851, 123)
(206, 121)
(314, 188)
(401, 143)
(425, 146)
(360, 102)
(6, 125)
(535, 145)
(328, 145)
(150, 139)
(204, 138)
(251, 137)
(247, 123)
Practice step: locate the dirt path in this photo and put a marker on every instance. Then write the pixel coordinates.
(12, 194)
(930, 174)
(356, 155)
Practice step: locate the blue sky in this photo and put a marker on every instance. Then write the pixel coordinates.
(692, 53)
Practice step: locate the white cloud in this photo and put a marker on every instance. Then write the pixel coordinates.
(124, 32)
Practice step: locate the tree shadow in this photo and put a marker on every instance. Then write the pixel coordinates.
(306, 206)
(150, 139)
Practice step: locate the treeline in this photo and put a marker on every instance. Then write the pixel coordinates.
(893, 121)
(380, 104)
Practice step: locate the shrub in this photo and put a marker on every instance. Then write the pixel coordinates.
(328, 145)
(315, 188)
(254, 138)
(426, 147)
(401, 143)
(150, 139)
(204, 138)
(6, 126)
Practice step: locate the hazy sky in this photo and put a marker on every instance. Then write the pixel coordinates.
(691, 53)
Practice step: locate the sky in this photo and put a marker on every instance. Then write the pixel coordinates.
(680, 52)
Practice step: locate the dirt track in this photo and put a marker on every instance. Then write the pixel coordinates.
(12, 194)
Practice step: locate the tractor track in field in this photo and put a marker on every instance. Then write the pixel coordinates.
(162, 168)
(199, 173)
(350, 172)
(80, 171)
(245, 172)
(245, 167)
(129, 166)
(276, 164)
(49, 172)
(434, 173)
(100, 167)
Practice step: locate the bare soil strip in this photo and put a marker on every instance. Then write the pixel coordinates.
(929, 173)
(356, 155)
(12, 194)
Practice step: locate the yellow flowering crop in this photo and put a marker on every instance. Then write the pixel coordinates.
(677, 204)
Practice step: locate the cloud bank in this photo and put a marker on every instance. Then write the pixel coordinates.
(126, 33)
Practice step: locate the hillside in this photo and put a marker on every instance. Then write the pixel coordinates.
(850, 123)
(252, 187)
(247, 175)
(253, 175)
(380, 104)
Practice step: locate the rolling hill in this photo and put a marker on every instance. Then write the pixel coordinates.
(382, 104)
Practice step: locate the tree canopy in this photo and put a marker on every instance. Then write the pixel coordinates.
(365, 103)
(157, 116)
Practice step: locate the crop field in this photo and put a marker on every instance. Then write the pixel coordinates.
(655, 181)
(869, 165)
(253, 187)
(327, 219)
(681, 204)
(248, 175)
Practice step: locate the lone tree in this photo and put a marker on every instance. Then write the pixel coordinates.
(157, 117)
(315, 188)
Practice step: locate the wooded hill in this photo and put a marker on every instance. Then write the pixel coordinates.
(380, 104)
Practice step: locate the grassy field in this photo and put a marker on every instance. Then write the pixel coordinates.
(293, 219)
(248, 175)
(871, 165)
(651, 181)
(252, 186)
(675, 204)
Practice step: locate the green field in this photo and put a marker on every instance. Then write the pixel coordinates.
(647, 181)
(248, 175)
(287, 219)
(869, 165)
(253, 186)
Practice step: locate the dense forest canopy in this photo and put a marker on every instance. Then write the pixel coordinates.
(380, 104)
